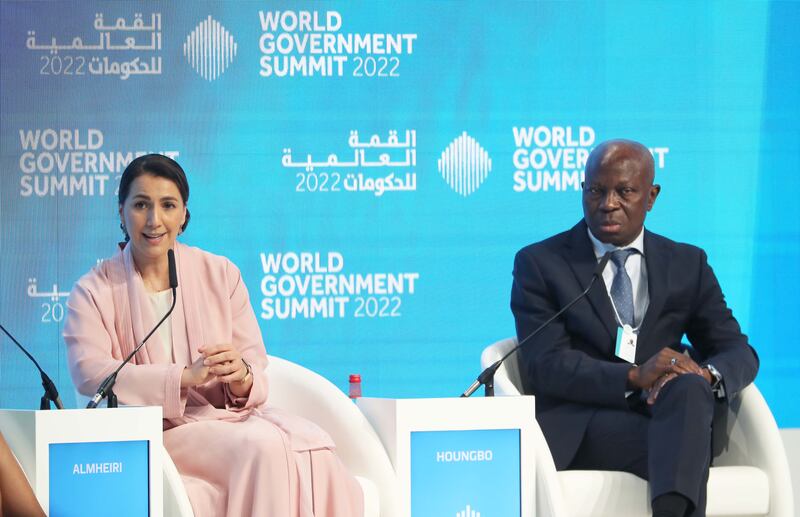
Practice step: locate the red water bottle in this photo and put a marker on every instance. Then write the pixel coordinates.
(355, 386)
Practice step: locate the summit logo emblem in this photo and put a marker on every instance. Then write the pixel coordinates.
(464, 165)
(209, 49)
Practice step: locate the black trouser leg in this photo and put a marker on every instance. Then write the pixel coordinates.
(680, 440)
(670, 447)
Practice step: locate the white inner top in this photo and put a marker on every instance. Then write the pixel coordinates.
(161, 302)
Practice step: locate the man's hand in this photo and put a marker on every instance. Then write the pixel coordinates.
(666, 361)
(664, 379)
(660, 383)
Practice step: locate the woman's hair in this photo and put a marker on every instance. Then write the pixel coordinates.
(156, 165)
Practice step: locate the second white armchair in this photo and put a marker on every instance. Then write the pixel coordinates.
(749, 478)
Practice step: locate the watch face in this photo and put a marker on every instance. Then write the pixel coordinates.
(714, 373)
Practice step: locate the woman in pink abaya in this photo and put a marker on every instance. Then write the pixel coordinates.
(204, 366)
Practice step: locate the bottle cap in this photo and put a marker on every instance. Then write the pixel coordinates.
(355, 377)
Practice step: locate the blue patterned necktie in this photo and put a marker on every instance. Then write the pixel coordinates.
(621, 289)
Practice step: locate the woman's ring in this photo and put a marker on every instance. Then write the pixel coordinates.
(673, 361)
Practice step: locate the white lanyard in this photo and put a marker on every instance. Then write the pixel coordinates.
(627, 340)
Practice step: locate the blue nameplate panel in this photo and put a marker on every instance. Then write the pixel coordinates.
(465, 473)
(99, 479)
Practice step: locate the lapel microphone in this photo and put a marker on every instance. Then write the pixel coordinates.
(487, 376)
(107, 386)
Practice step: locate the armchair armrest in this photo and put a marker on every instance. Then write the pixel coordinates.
(753, 439)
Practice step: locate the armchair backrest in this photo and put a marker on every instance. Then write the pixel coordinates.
(749, 435)
(307, 394)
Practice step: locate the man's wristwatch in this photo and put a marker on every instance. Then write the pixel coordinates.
(716, 386)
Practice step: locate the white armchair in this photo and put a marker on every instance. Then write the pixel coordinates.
(311, 396)
(749, 478)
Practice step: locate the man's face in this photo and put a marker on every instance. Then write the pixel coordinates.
(616, 197)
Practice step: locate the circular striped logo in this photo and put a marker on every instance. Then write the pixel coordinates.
(209, 49)
(464, 165)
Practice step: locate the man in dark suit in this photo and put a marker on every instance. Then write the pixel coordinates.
(614, 388)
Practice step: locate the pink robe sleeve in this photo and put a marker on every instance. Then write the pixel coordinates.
(246, 337)
(93, 352)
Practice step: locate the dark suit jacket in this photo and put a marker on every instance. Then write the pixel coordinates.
(571, 366)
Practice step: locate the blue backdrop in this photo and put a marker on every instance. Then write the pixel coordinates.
(373, 167)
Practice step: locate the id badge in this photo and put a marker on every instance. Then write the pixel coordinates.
(626, 343)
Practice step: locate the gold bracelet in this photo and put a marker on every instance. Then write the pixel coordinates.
(248, 374)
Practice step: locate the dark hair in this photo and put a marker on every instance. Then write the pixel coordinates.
(155, 165)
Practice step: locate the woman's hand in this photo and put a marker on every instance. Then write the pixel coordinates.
(226, 364)
(195, 374)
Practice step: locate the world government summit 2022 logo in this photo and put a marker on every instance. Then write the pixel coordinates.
(209, 49)
(464, 165)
